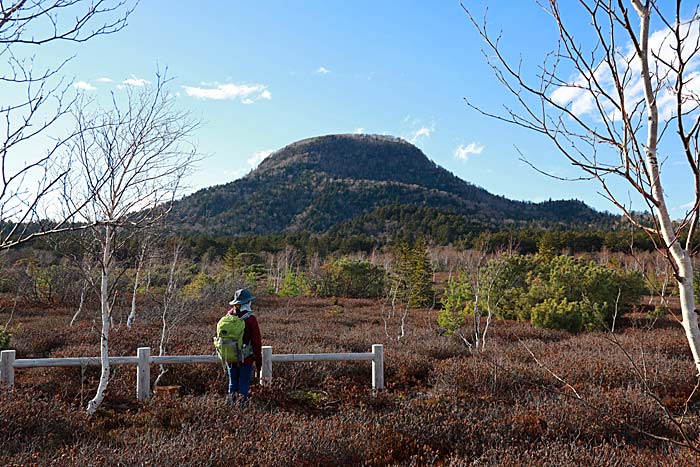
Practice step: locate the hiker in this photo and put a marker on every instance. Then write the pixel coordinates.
(240, 368)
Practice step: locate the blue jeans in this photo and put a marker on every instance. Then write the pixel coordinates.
(239, 379)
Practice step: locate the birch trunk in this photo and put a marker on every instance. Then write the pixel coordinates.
(167, 301)
(80, 306)
(104, 335)
(678, 253)
(132, 314)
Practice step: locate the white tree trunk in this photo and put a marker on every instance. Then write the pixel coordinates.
(80, 306)
(690, 317)
(148, 276)
(679, 255)
(104, 336)
(167, 300)
(132, 314)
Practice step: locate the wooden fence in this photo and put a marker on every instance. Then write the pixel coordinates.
(143, 361)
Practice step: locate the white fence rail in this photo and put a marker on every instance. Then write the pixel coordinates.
(144, 360)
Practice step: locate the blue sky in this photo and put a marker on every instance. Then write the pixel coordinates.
(266, 73)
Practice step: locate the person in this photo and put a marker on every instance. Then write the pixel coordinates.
(240, 374)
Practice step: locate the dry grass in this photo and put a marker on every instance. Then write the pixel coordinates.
(442, 406)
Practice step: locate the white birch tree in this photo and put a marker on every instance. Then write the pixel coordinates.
(35, 98)
(128, 161)
(617, 102)
(145, 246)
(174, 308)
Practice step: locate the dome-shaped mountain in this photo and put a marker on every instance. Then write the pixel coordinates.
(362, 157)
(319, 183)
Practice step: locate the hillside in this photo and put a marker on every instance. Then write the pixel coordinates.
(334, 181)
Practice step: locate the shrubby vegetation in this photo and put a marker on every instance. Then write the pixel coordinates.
(546, 289)
(431, 387)
(559, 292)
(247, 264)
(5, 338)
(441, 404)
(412, 275)
(295, 284)
(350, 278)
(202, 285)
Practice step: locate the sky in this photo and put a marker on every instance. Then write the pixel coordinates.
(263, 74)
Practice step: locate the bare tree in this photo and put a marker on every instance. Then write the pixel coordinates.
(633, 94)
(477, 292)
(280, 264)
(88, 269)
(145, 246)
(40, 99)
(174, 307)
(390, 313)
(128, 161)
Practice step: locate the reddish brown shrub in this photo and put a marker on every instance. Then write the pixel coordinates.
(443, 404)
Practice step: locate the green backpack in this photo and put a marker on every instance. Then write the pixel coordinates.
(229, 339)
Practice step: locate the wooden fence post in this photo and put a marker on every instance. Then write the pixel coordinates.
(378, 366)
(7, 369)
(266, 371)
(143, 374)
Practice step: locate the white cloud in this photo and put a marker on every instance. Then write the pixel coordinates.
(576, 94)
(422, 132)
(463, 152)
(247, 93)
(84, 86)
(136, 82)
(687, 205)
(359, 131)
(220, 177)
(104, 80)
(323, 70)
(258, 157)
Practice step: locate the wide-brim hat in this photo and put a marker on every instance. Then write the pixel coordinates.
(241, 296)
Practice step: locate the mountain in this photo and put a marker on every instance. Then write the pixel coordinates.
(352, 181)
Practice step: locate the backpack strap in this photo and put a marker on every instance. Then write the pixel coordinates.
(246, 315)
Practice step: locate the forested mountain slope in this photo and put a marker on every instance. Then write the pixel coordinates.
(348, 181)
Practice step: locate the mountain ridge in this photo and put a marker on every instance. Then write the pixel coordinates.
(319, 183)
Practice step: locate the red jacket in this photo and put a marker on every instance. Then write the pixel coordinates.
(251, 336)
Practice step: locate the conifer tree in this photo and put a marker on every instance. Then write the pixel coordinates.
(422, 291)
(230, 258)
(546, 246)
(412, 277)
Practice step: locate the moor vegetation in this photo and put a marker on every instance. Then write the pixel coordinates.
(524, 396)
(443, 405)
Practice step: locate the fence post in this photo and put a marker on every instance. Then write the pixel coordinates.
(7, 369)
(378, 366)
(143, 374)
(266, 371)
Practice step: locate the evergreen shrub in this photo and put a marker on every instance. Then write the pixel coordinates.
(295, 284)
(557, 292)
(345, 277)
(5, 338)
